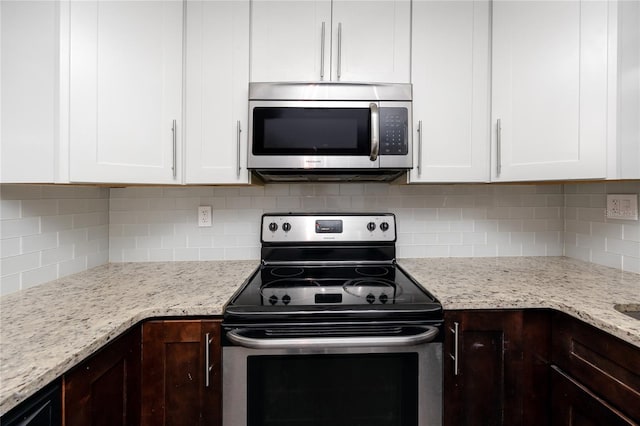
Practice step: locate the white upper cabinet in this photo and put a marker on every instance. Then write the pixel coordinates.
(450, 75)
(371, 41)
(126, 91)
(624, 96)
(28, 81)
(549, 86)
(290, 40)
(324, 40)
(216, 84)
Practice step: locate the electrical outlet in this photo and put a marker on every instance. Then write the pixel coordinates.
(622, 206)
(205, 218)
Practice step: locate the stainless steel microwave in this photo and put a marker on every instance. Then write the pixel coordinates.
(329, 131)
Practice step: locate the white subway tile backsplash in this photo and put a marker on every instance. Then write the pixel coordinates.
(9, 283)
(39, 276)
(135, 255)
(631, 232)
(20, 263)
(631, 264)
(623, 247)
(431, 218)
(485, 250)
(510, 250)
(93, 225)
(158, 255)
(607, 230)
(56, 223)
(590, 236)
(41, 218)
(57, 255)
(19, 227)
(39, 242)
(9, 247)
(70, 206)
(10, 209)
(611, 260)
(212, 254)
(34, 208)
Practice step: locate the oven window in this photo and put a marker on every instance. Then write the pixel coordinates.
(311, 131)
(337, 390)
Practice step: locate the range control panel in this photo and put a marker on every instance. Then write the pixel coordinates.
(291, 228)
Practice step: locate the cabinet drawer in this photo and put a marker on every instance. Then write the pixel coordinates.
(606, 365)
(574, 404)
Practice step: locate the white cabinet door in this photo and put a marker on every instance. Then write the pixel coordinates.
(126, 88)
(450, 74)
(29, 70)
(340, 40)
(216, 84)
(290, 40)
(371, 41)
(549, 90)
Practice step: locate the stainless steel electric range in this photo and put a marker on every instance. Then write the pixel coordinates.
(330, 330)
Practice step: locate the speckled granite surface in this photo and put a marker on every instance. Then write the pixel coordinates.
(47, 330)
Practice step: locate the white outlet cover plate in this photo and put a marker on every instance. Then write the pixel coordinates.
(204, 216)
(622, 206)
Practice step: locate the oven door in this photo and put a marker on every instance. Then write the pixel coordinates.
(331, 381)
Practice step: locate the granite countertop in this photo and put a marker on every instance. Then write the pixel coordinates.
(46, 330)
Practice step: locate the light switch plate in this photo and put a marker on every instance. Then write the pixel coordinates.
(622, 206)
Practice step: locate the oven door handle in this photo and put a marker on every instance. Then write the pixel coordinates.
(237, 337)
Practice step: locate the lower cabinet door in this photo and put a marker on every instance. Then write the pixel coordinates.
(181, 377)
(482, 368)
(572, 404)
(105, 389)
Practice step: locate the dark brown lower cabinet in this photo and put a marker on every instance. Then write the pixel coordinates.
(573, 404)
(105, 389)
(181, 377)
(496, 367)
(595, 373)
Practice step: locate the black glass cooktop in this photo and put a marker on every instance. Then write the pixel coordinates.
(337, 293)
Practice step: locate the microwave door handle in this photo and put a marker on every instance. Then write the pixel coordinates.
(427, 334)
(375, 131)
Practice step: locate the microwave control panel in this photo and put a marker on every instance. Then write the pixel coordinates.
(394, 124)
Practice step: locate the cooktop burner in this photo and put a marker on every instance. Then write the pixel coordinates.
(339, 285)
(331, 269)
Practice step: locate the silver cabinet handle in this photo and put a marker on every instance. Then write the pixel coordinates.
(236, 336)
(207, 360)
(455, 331)
(499, 146)
(238, 131)
(339, 72)
(322, 34)
(375, 131)
(174, 131)
(420, 148)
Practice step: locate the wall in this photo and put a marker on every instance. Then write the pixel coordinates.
(47, 232)
(155, 224)
(590, 236)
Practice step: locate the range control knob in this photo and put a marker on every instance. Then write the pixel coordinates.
(273, 227)
(273, 299)
(383, 298)
(384, 226)
(286, 227)
(371, 226)
(371, 298)
(286, 299)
